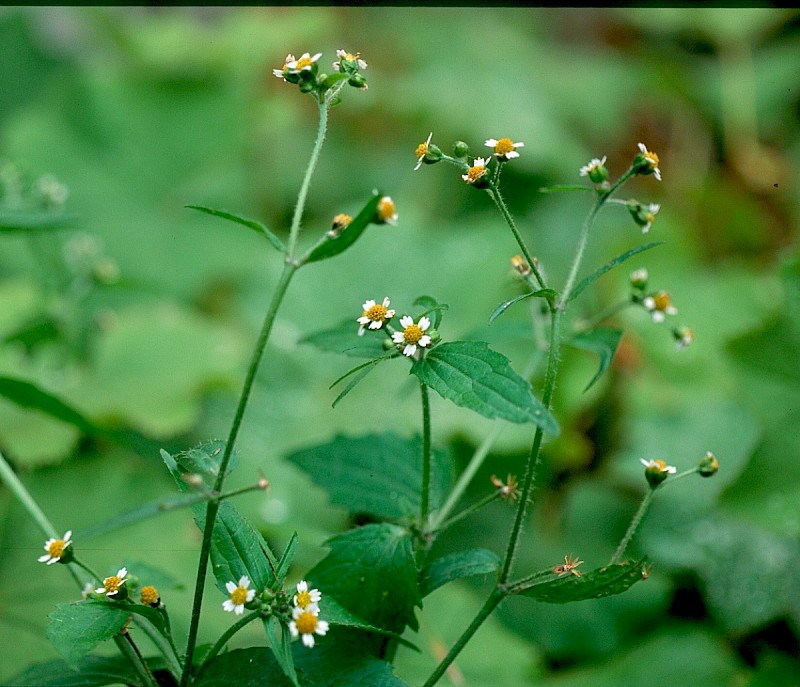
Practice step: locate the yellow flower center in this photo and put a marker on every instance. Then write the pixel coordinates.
(386, 208)
(503, 146)
(422, 149)
(661, 465)
(476, 173)
(652, 159)
(304, 598)
(306, 623)
(350, 57)
(412, 334)
(149, 595)
(377, 313)
(239, 596)
(341, 221)
(304, 62)
(661, 302)
(112, 584)
(56, 548)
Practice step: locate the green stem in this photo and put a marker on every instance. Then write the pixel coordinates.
(487, 609)
(501, 205)
(23, 496)
(485, 501)
(426, 456)
(635, 522)
(163, 644)
(85, 567)
(225, 638)
(129, 649)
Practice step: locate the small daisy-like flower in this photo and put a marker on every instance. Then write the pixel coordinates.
(508, 489)
(504, 148)
(149, 596)
(660, 305)
(281, 73)
(569, 566)
(476, 172)
(413, 334)
(306, 624)
(56, 549)
(650, 215)
(386, 211)
(656, 471)
(374, 315)
(646, 162)
(240, 595)
(307, 599)
(349, 57)
(422, 151)
(113, 586)
(595, 170)
(683, 337)
(304, 63)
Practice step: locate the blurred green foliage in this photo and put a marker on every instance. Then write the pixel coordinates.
(141, 313)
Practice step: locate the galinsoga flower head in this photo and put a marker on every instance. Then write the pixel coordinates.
(595, 170)
(646, 162)
(58, 550)
(476, 173)
(240, 594)
(504, 148)
(656, 471)
(374, 315)
(413, 334)
(709, 465)
(660, 305)
(307, 599)
(306, 624)
(149, 596)
(427, 153)
(348, 62)
(386, 212)
(115, 585)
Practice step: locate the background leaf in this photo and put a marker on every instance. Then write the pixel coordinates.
(89, 671)
(77, 628)
(458, 565)
(249, 223)
(602, 341)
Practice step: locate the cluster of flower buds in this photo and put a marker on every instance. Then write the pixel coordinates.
(304, 72)
(657, 471)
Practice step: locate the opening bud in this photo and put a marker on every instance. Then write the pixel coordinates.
(656, 471)
(638, 279)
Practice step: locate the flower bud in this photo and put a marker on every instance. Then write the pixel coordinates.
(643, 215)
(460, 149)
(656, 471)
(646, 162)
(708, 465)
(595, 170)
(357, 81)
(638, 279)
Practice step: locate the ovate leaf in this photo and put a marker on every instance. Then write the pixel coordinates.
(602, 341)
(372, 573)
(472, 375)
(77, 628)
(600, 271)
(376, 474)
(249, 223)
(329, 247)
(456, 566)
(607, 581)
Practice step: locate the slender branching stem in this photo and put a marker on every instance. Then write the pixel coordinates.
(425, 488)
(128, 647)
(635, 522)
(162, 643)
(226, 636)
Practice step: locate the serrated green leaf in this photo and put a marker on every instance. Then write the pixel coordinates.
(371, 571)
(613, 579)
(90, 671)
(344, 339)
(472, 375)
(77, 628)
(456, 566)
(203, 461)
(280, 641)
(11, 222)
(549, 294)
(600, 271)
(329, 247)
(285, 562)
(377, 474)
(602, 341)
(245, 222)
(28, 395)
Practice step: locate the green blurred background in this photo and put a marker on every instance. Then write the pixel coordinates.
(143, 313)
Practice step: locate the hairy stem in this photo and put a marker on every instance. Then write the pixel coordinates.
(426, 456)
(635, 522)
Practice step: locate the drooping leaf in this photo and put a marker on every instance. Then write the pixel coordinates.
(602, 341)
(203, 461)
(11, 222)
(329, 247)
(456, 566)
(77, 628)
(90, 671)
(472, 375)
(613, 579)
(28, 395)
(344, 338)
(549, 294)
(249, 223)
(280, 641)
(600, 271)
(371, 571)
(377, 474)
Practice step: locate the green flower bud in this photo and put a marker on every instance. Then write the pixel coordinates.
(656, 471)
(708, 466)
(357, 81)
(460, 149)
(638, 279)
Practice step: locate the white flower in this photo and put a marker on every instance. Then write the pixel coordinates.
(413, 334)
(659, 465)
(593, 164)
(344, 55)
(651, 159)
(660, 305)
(386, 211)
(652, 211)
(475, 172)
(303, 64)
(240, 595)
(422, 151)
(504, 149)
(306, 599)
(374, 315)
(55, 549)
(111, 585)
(306, 624)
